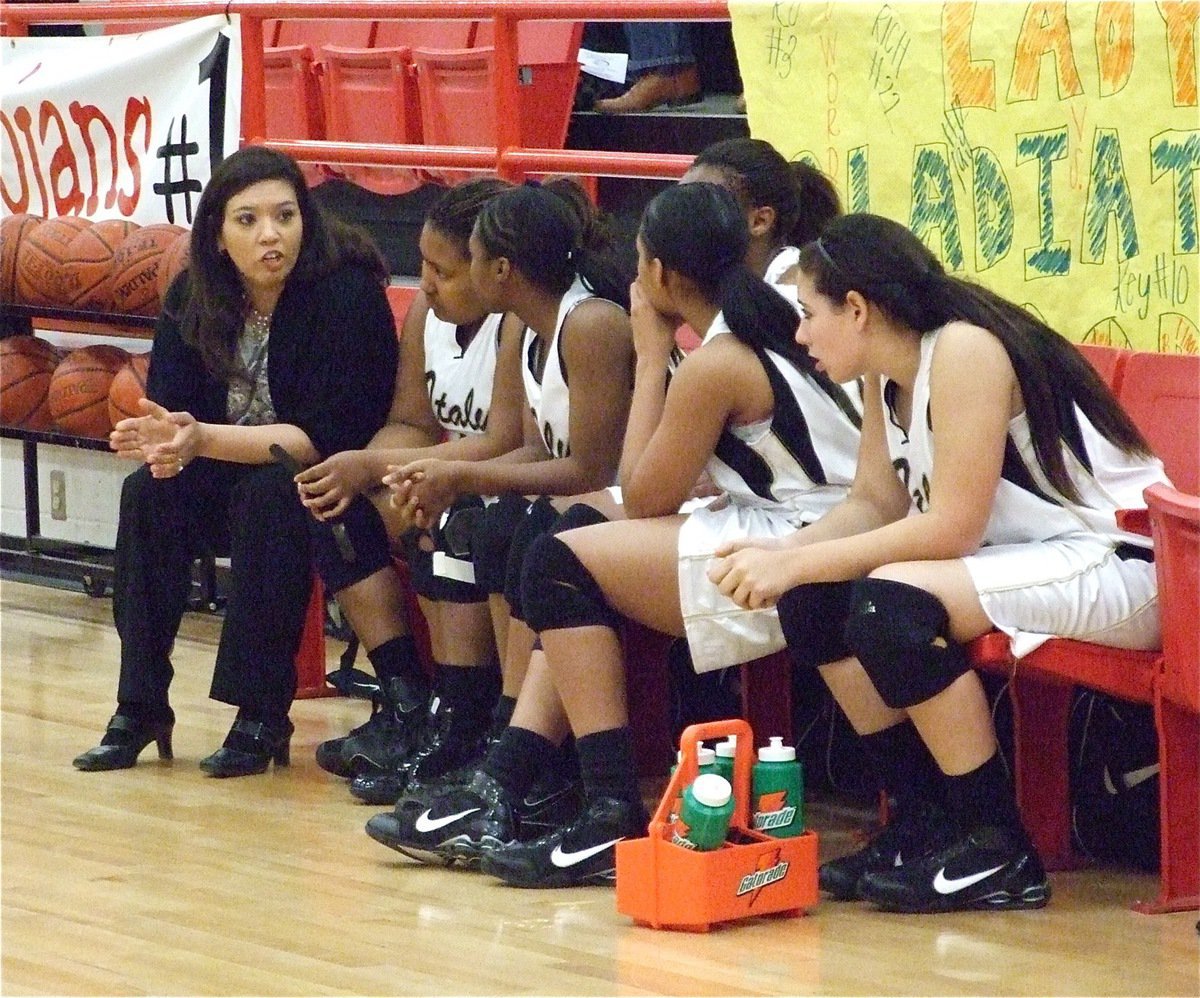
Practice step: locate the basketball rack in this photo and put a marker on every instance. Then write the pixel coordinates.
(46, 557)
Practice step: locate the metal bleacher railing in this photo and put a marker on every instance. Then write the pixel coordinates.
(510, 158)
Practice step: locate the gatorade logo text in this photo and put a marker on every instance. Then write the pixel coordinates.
(774, 812)
(759, 879)
(679, 836)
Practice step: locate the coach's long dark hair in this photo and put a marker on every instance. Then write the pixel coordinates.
(891, 268)
(214, 314)
(699, 231)
(550, 233)
(455, 212)
(804, 198)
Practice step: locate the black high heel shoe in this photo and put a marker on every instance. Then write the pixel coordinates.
(249, 748)
(123, 742)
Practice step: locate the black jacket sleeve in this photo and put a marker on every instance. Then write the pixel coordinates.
(178, 380)
(332, 360)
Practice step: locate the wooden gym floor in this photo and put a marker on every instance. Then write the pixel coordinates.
(160, 881)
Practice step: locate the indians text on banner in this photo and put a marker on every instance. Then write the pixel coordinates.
(118, 126)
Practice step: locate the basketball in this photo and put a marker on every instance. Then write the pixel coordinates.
(26, 367)
(87, 269)
(174, 260)
(41, 255)
(13, 229)
(135, 268)
(79, 389)
(128, 386)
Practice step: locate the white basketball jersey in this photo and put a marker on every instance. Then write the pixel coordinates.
(781, 263)
(804, 461)
(1027, 507)
(549, 398)
(459, 381)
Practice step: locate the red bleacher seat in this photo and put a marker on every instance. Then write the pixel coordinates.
(457, 93)
(1109, 362)
(427, 34)
(371, 94)
(352, 32)
(1175, 526)
(292, 76)
(310, 656)
(548, 54)
(1161, 392)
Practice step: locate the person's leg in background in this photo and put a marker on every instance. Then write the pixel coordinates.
(661, 65)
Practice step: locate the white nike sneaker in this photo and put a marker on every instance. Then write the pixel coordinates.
(583, 852)
(991, 868)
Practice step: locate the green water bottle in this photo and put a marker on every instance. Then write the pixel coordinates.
(704, 814)
(778, 791)
(725, 751)
(705, 760)
(705, 763)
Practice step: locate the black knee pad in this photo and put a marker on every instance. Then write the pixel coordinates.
(899, 633)
(439, 588)
(442, 588)
(579, 515)
(368, 538)
(491, 538)
(542, 518)
(813, 618)
(558, 591)
(539, 518)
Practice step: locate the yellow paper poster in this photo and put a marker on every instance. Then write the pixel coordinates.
(1050, 151)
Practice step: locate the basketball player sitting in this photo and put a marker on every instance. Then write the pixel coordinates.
(993, 459)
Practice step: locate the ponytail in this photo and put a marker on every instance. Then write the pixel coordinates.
(551, 233)
(596, 257)
(804, 199)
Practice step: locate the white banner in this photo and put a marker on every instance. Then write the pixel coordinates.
(118, 126)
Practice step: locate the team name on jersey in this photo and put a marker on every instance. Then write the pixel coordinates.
(919, 493)
(465, 416)
(556, 447)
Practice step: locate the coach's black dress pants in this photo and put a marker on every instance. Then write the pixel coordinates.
(250, 512)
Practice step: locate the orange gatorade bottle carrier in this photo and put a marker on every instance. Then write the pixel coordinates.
(665, 886)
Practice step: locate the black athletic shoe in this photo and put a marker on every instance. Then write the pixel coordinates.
(909, 836)
(555, 800)
(583, 852)
(331, 754)
(991, 868)
(396, 714)
(452, 740)
(451, 826)
(447, 742)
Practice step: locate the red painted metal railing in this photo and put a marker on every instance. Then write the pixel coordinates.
(509, 158)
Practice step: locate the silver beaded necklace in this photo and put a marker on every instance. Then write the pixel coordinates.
(244, 394)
